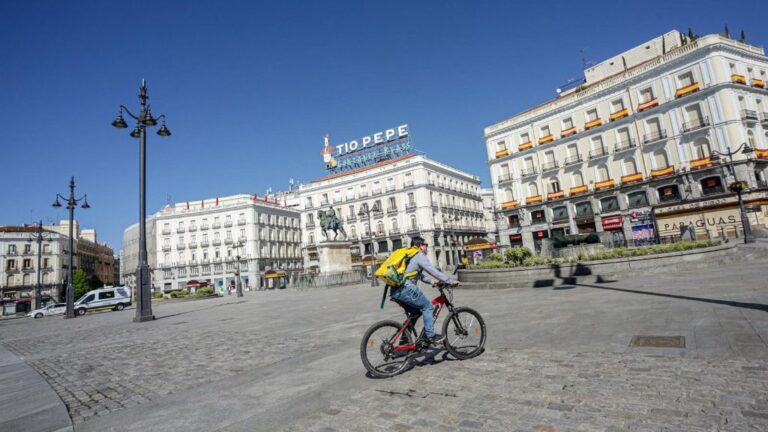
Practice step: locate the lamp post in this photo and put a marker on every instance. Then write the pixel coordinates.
(238, 281)
(745, 149)
(38, 238)
(71, 203)
(365, 211)
(143, 121)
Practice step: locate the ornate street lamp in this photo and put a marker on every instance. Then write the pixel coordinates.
(38, 238)
(365, 211)
(738, 186)
(71, 203)
(143, 121)
(238, 278)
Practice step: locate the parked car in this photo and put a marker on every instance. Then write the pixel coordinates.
(115, 298)
(52, 309)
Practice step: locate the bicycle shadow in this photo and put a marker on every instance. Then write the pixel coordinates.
(427, 358)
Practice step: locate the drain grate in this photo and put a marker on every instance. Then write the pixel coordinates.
(658, 341)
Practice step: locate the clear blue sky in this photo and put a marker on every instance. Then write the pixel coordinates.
(251, 87)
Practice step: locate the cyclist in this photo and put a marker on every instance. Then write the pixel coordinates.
(410, 293)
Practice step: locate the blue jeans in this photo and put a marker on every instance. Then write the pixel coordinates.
(413, 296)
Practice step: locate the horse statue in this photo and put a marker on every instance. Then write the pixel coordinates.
(329, 221)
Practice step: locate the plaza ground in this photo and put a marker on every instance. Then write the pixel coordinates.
(557, 359)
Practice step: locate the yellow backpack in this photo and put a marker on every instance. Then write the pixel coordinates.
(392, 270)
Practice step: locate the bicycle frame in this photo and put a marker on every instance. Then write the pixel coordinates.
(438, 303)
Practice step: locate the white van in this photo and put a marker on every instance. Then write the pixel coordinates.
(115, 298)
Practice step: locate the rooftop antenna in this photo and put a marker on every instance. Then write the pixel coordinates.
(168, 200)
(584, 61)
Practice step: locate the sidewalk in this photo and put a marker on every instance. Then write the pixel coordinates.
(35, 406)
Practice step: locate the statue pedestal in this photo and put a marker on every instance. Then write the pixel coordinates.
(334, 256)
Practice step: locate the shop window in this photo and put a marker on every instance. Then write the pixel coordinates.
(584, 209)
(712, 185)
(560, 213)
(609, 204)
(669, 193)
(537, 216)
(637, 199)
(516, 239)
(514, 220)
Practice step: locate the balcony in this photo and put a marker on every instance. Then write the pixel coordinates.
(228, 224)
(654, 136)
(192, 245)
(505, 177)
(192, 228)
(757, 82)
(545, 139)
(685, 91)
(410, 206)
(337, 200)
(631, 178)
(181, 246)
(695, 124)
(625, 145)
(662, 172)
(501, 153)
(392, 210)
(378, 214)
(578, 190)
(180, 230)
(166, 231)
(738, 79)
(549, 166)
(412, 230)
(593, 124)
(229, 241)
(166, 248)
(568, 132)
(204, 227)
(217, 242)
(701, 163)
(216, 225)
(534, 199)
(308, 206)
(570, 160)
(376, 191)
(310, 225)
(619, 114)
(598, 152)
(527, 172)
(241, 221)
(362, 194)
(555, 195)
(324, 202)
(352, 218)
(605, 184)
(394, 231)
(525, 146)
(409, 183)
(509, 204)
(749, 115)
(648, 105)
(204, 243)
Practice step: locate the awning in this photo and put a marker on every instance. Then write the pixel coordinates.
(479, 244)
(196, 284)
(271, 274)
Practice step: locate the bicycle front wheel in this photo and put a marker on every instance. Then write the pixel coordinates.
(464, 332)
(378, 350)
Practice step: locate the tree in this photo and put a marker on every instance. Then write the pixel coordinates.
(94, 282)
(80, 283)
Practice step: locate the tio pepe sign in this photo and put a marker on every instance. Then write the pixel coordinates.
(372, 140)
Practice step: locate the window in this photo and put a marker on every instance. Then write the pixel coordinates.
(106, 295)
(393, 224)
(597, 145)
(46, 248)
(411, 199)
(660, 159)
(654, 127)
(501, 145)
(701, 149)
(584, 208)
(567, 123)
(310, 218)
(712, 185)
(380, 227)
(524, 138)
(544, 131)
(617, 105)
(637, 199)
(629, 166)
(27, 264)
(592, 115)
(685, 79)
(577, 179)
(601, 172)
(669, 193)
(554, 185)
(646, 94)
(538, 216)
(751, 138)
(12, 249)
(533, 190)
(560, 213)
(514, 220)
(609, 204)
(508, 196)
(733, 68)
(392, 203)
(27, 248)
(622, 136)
(88, 299)
(414, 225)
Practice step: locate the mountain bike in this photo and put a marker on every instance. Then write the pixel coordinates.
(388, 346)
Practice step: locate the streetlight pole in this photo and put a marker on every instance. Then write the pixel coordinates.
(143, 120)
(38, 238)
(365, 211)
(71, 203)
(748, 237)
(238, 282)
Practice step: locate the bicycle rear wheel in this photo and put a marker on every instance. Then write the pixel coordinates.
(377, 350)
(464, 332)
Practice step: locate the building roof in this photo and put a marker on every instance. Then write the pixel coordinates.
(24, 229)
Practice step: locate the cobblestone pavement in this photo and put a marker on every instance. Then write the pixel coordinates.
(556, 360)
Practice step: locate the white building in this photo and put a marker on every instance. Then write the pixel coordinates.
(129, 254)
(629, 150)
(414, 195)
(199, 241)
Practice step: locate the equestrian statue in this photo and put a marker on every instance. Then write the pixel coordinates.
(329, 221)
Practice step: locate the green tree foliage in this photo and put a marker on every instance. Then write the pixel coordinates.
(517, 255)
(95, 282)
(81, 283)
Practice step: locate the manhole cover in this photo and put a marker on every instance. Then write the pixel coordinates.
(658, 341)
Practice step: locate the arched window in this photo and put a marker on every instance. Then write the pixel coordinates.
(508, 196)
(367, 229)
(393, 224)
(602, 172)
(701, 148)
(533, 190)
(712, 185)
(751, 138)
(554, 185)
(577, 179)
(26, 279)
(660, 159)
(629, 166)
(353, 231)
(379, 227)
(414, 225)
(9, 280)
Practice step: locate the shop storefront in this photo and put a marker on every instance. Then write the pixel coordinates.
(585, 219)
(643, 228)
(614, 226)
(477, 249)
(516, 240)
(538, 238)
(274, 279)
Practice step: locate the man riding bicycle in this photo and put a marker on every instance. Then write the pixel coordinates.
(411, 295)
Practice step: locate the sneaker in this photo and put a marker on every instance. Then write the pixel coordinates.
(436, 339)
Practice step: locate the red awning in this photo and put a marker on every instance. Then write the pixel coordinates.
(196, 284)
(611, 223)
